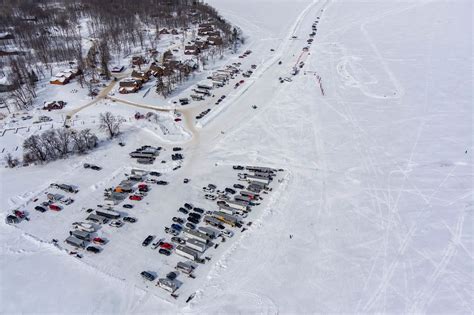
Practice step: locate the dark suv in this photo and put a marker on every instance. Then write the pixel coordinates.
(148, 240)
(148, 276)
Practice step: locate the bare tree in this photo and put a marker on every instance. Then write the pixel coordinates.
(110, 124)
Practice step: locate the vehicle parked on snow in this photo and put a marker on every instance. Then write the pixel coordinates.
(147, 275)
(148, 240)
(93, 249)
(86, 227)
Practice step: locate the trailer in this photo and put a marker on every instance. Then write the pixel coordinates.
(185, 267)
(82, 235)
(201, 91)
(241, 198)
(253, 178)
(167, 284)
(191, 234)
(212, 233)
(187, 252)
(142, 155)
(227, 219)
(111, 214)
(146, 160)
(260, 169)
(74, 241)
(196, 245)
(97, 218)
(234, 204)
(204, 86)
(249, 194)
(228, 209)
(212, 221)
(264, 175)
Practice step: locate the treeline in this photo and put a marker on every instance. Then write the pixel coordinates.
(40, 34)
(56, 144)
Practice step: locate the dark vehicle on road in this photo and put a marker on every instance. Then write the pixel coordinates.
(230, 191)
(238, 186)
(155, 174)
(128, 206)
(162, 182)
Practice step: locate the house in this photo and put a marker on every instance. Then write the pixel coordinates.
(117, 69)
(54, 105)
(140, 75)
(156, 71)
(215, 40)
(129, 85)
(138, 60)
(59, 80)
(191, 50)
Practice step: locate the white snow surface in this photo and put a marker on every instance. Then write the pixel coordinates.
(377, 191)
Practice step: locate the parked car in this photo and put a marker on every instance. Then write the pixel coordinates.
(98, 240)
(128, 206)
(147, 240)
(188, 206)
(178, 220)
(238, 186)
(162, 182)
(191, 226)
(116, 223)
(238, 167)
(230, 191)
(148, 276)
(186, 180)
(178, 240)
(195, 215)
(164, 252)
(93, 249)
(177, 149)
(193, 220)
(177, 227)
(198, 210)
(87, 165)
(155, 174)
(130, 219)
(228, 233)
(96, 168)
(166, 246)
(135, 197)
(182, 210)
(210, 197)
(55, 207)
(171, 275)
(171, 231)
(40, 209)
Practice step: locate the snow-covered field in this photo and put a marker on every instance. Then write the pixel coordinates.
(377, 193)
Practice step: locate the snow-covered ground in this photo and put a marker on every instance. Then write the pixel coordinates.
(376, 193)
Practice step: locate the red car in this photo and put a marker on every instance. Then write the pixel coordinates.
(241, 81)
(98, 241)
(142, 186)
(55, 207)
(19, 214)
(135, 197)
(166, 246)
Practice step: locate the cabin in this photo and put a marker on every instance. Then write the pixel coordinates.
(140, 75)
(138, 60)
(54, 105)
(215, 40)
(74, 241)
(117, 69)
(191, 50)
(82, 235)
(187, 252)
(129, 85)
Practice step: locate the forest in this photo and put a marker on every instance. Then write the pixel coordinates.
(36, 35)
